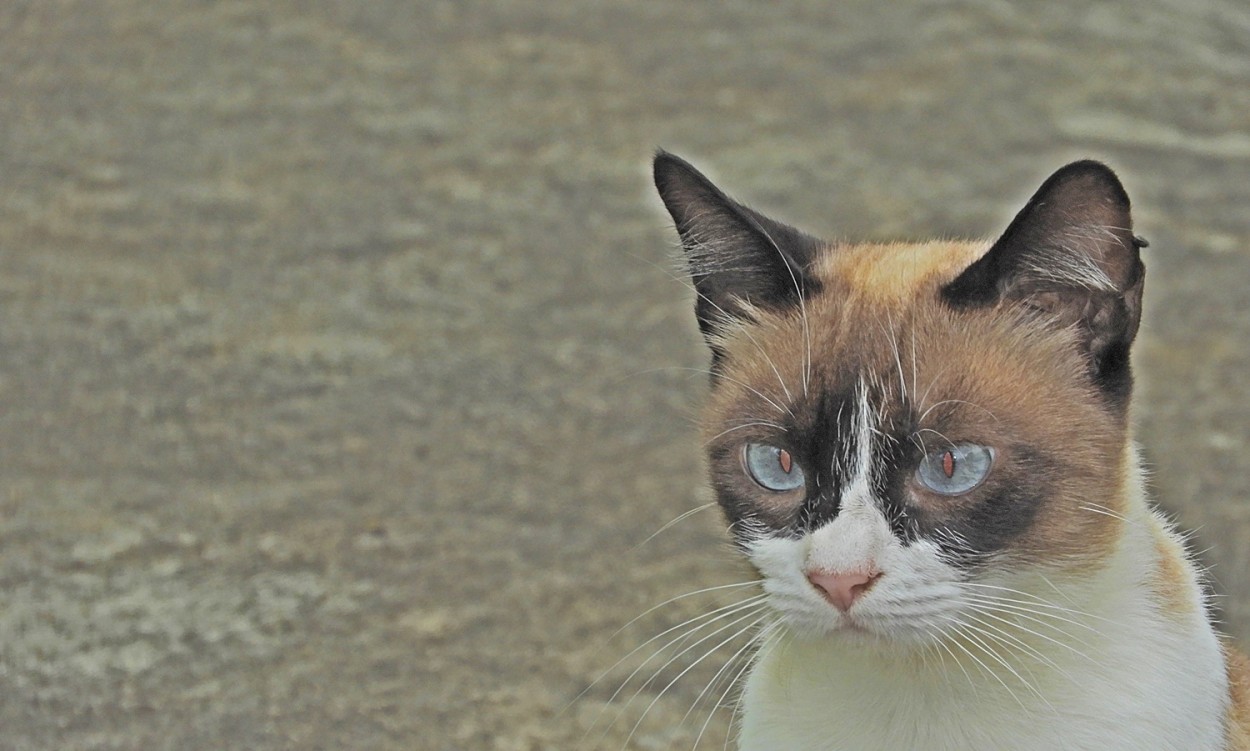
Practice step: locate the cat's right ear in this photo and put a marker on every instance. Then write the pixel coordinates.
(738, 258)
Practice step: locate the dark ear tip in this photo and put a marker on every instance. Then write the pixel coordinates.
(666, 160)
(1093, 174)
(1090, 168)
(666, 164)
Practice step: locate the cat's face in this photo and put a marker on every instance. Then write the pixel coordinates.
(893, 427)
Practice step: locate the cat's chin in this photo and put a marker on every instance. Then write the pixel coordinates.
(860, 632)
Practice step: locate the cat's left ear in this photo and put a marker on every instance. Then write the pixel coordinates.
(1071, 255)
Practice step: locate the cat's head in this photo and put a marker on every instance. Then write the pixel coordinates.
(891, 426)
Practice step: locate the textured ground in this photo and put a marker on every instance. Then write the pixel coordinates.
(341, 370)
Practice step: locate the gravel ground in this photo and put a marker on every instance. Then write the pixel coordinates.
(345, 379)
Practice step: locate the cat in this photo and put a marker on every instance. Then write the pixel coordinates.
(925, 451)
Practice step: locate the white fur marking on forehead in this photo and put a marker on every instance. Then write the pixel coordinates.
(862, 469)
(856, 448)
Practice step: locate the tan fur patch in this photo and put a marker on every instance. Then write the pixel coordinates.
(1173, 581)
(1237, 725)
(893, 273)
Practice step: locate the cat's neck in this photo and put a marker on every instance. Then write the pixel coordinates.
(1101, 658)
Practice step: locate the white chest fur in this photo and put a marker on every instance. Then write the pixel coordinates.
(1130, 677)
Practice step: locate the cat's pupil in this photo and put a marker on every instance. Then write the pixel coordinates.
(948, 463)
(784, 459)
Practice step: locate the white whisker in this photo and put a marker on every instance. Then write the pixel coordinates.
(1018, 642)
(935, 405)
(713, 615)
(691, 666)
(959, 628)
(738, 655)
(671, 600)
(725, 314)
(1038, 617)
(937, 433)
(976, 632)
(969, 632)
(940, 641)
(1035, 601)
(746, 386)
(766, 647)
(756, 424)
(1014, 624)
(1098, 508)
(679, 519)
(752, 605)
(799, 292)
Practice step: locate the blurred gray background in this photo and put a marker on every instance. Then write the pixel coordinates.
(342, 370)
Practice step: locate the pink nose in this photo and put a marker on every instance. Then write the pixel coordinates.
(843, 589)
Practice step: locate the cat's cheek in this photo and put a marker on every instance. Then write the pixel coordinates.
(753, 514)
(921, 592)
(781, 564)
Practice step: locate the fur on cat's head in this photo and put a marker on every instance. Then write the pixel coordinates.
(858, 388)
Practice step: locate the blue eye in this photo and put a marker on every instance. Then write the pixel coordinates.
(955, 470)
(772, 467)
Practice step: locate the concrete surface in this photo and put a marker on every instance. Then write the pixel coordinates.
(343, 377)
